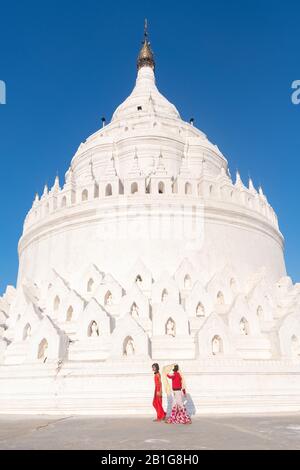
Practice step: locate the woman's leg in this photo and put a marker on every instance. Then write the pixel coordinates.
(157, 403)
(160, 411)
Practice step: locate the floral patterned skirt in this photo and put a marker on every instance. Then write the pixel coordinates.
(178, 414)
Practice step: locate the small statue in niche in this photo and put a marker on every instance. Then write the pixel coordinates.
(43, 350)
(109, 299)
(94, 330)
(187, 282)
(260, 312)
(129, 349)
(200, 312)
(243, 328)
(216, 345)
(220, 298)
(170, 328)
(70, 314)
(27, 333)
(164, 296)
(134, 311)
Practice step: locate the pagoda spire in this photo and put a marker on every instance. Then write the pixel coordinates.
(55, 186)
(238, 180)
(251, 186)
(146, 56)
(160, 169)
(36, 200)
(110, 170)
(45, 193)
(135, 169)
(184, 168)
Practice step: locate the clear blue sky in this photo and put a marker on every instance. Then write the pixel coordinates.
(229, 64)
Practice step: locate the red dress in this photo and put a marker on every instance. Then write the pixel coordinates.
(157, 400)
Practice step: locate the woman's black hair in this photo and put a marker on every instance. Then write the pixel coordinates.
(176, 368)
(156, 366)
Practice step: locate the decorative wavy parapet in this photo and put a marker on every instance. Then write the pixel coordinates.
(139, 186)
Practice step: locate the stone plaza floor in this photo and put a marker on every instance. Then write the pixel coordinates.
(276, 431)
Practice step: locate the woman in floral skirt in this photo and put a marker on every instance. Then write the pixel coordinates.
(178, 414)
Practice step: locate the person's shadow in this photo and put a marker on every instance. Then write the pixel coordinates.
(189, 404)
(170, 401)
(187, 401)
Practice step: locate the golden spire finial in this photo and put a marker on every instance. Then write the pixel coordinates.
(146, 57)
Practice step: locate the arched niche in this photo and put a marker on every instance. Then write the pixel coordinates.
(26, 332)
(161, 187)
(187, 282)
(56, 303)
(134, 310)
(220, 298)
(170, 327)
(188, 188)
(93, 329)
(128, 347)
(134, 188)
(90, 285)
(108, 190)
(42, 350)
(84, 195)
(260, 312)
(108, 298)
(200, 310)
(70, 311)
(217, 345)
(164, 295)
(244, 326)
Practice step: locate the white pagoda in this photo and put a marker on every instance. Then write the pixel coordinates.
(149, 252)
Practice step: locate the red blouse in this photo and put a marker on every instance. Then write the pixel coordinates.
(176, 381)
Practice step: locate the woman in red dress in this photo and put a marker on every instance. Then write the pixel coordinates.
(157, 400)
(178, 414)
